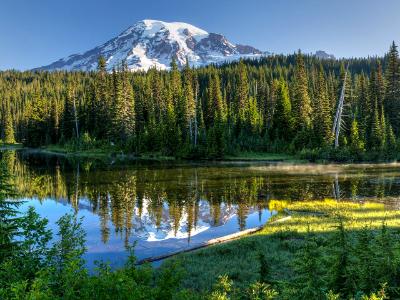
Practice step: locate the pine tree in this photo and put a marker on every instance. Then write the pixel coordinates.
(123, 106)
(392, 76)
(356, 144)
(9, 137)
(391, 143)
(242, 93)
(308, 282)
(189, 101)
(364, 107)
(301, 100)
(342, 278)
(171, 136)
(376, 139)
(70, 122)
(55, 121)
(379, 86)
(282, 120)
(101, 102)
(253, 117)
(367, 280)
(176, 82)
(385, 263)
(216, 108)
(322, 121)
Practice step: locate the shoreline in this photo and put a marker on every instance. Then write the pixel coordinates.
(241, 157)
(103, 154)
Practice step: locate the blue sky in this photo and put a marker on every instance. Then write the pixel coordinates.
(38, 32)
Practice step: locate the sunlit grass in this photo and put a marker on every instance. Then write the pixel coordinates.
(281, 240)
(322, 216)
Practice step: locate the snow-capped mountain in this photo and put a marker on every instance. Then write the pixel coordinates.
(151, 43)
(323, 55)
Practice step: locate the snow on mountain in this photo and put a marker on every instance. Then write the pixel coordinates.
(152, 43)
(323, 55)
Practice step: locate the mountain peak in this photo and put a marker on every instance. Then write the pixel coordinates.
(153, 43)
(324, 55)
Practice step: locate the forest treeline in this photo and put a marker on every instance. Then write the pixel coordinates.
(274, 104)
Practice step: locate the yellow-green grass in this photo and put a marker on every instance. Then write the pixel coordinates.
(279, 241)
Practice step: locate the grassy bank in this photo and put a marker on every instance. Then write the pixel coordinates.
(112, 152)
(264, 156)
(101, 153)
(281, 243)
(15, 146)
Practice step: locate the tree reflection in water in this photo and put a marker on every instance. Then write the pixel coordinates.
(179, 200)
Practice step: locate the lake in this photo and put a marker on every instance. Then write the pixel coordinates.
(169, 206)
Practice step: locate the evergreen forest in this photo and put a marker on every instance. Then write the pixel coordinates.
(277, 104)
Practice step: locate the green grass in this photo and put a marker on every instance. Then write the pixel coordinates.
(280, 241)
(102, 153)
(262, 156)
(57, 149)
(111, 151)
(15, 146)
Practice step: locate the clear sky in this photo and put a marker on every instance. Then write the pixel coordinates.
(37, 32)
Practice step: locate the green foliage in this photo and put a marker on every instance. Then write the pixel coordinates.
(264, 268)
(309, 282)
(222, 289)
(262, 291)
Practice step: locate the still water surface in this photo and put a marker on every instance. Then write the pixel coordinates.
(166, 207)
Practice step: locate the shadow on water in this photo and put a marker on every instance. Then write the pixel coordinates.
(168, 206)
